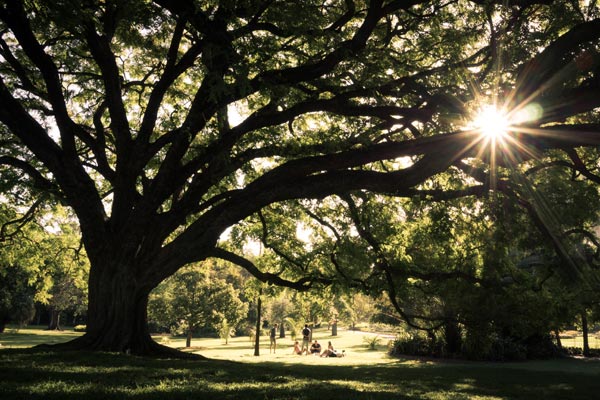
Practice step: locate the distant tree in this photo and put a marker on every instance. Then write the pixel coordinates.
(66, 294)
(194, 299)
(42, 248)
(280, 307)
(358, 308)
(225, 329)
(67, 266)
(17, 296)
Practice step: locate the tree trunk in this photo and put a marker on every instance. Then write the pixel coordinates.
(54, 324)
(334, 328)
(584, 328)
(117, 315)
(257, 336)
(452, 337)
(282, 330)
(188, 339)
(558, 341)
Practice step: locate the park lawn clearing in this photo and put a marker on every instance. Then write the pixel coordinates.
(232, 372)
(242, 349)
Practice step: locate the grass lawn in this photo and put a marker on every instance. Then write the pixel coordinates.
(593, 341)
(233, 372)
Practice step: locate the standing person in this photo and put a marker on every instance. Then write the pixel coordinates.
(273, 337)
(305, 338)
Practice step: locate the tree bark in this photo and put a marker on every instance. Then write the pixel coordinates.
(118, 323)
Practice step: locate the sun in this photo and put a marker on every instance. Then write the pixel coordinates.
(493, 123)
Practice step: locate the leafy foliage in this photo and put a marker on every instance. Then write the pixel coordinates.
(195, 299)
(42, 262)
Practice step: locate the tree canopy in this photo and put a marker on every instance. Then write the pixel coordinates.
(164, 123)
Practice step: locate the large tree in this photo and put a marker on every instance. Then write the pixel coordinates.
(163, 123)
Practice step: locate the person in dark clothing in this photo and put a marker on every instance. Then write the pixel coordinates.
(305, 338)
(273, 337)
(315, 348)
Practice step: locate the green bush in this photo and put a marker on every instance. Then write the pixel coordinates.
(578, 351)
(506, 349)
(541, 347)
(414, 346)
(80, 328)
(479, 345)
(371, 341)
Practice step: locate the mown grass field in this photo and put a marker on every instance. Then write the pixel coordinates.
(233, 372)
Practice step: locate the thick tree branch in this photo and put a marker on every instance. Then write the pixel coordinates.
(15, 17)
(265, 240)
(39, 180)
(545, 70)
(301, 284)
(20, 70)
(19, 223)
(580, 167)
(99, 46)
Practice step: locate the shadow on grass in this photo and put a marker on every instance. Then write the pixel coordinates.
(35, 374)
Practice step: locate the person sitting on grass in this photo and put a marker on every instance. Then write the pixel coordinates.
(297, 349)
(315, 348)
(331, 352)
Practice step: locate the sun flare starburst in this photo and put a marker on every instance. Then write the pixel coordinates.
(494, 123)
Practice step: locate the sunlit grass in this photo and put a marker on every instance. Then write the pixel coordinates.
(24, 337)
(593, 341)
(363, 374)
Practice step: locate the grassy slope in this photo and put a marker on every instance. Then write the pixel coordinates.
(363, 374)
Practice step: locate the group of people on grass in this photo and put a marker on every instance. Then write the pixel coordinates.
(315, 347)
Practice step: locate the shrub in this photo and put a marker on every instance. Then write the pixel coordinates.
(80, 328)
(480, 345)
(413, 346)
(372, 341)
(293, 327)
(245, 329)
(505, 349)
(541, 347)
(578, 351)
